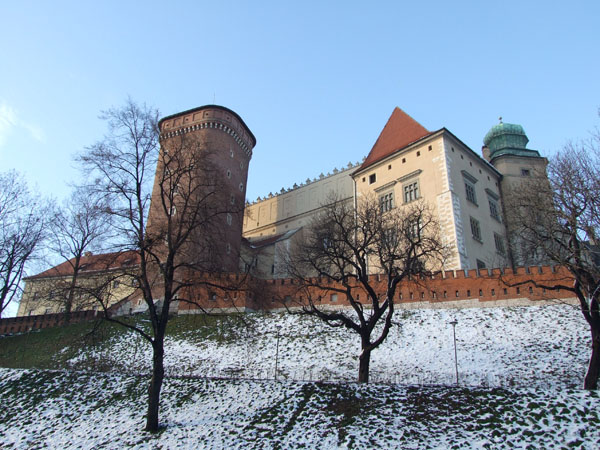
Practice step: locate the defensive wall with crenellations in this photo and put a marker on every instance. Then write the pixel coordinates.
(454, 289)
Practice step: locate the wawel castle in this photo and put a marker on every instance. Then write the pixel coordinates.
(407, 163)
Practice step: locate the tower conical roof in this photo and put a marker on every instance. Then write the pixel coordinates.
(399, 131)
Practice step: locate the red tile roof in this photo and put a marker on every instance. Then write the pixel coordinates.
(92, 263)
(399, 131)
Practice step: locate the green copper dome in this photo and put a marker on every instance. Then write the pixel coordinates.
(508, 138)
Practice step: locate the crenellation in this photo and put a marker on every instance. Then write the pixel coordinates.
(308, 181)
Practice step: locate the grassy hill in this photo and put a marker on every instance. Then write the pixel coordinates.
(520, 373)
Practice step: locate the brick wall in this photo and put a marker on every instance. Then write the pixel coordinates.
(451, 288)
(473, 287)
(22, 324)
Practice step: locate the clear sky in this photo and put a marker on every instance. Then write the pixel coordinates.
(314, 81)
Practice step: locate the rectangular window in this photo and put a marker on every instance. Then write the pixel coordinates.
(494, 211)
(334, 297)
(414, 229)
(372, 178)
(411, 191)
(470, 190)
(499, 241)
(475, 229)
(386, 202)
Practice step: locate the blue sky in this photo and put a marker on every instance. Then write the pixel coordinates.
(315, 81)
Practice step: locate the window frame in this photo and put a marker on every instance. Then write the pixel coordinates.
(470, 191)
(411, 195)
(386, 202)
(499, 244)
(494, 208)
(475, 229)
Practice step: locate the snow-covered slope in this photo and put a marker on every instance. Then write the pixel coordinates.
(525, 346)
(539, 354)
(62, 410)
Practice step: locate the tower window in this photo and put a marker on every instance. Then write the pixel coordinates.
(241, 187)
(525, 172)
(229, 219)
(228, 173)
(232, 199)
(372, 178)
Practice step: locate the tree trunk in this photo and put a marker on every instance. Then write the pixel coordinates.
(158, 373)
(69, 306)
(363, 367)
(591, 377)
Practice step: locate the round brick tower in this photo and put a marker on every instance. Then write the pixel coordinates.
(216, 137)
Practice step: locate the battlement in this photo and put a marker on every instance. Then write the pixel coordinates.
(306, 183)
(452, 288)
(472, 287)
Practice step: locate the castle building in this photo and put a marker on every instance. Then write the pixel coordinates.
(407, 163)
(204, 157)
(106, 277)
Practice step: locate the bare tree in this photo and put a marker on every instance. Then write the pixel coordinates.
(344, 247)
(79, 227)
(22, 219)
(175, 237)
(557, 220)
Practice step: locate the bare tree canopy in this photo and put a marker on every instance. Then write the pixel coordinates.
(22, 219)
(174, 225)
(557, 220)
(344, 247)
(79, 227)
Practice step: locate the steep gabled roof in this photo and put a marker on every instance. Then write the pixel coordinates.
(92, 263)
(399, 131)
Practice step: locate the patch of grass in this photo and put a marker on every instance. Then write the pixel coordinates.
(44, 348)
(51, 348)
